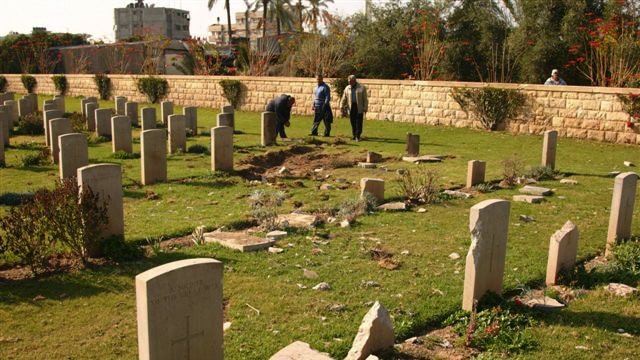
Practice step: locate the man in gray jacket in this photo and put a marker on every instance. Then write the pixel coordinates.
(355, 103)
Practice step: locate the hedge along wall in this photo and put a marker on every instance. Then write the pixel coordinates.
(580, 112)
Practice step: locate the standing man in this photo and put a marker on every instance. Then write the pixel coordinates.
(555, 79)
(354, 102)
(282, 107)
(322, 107)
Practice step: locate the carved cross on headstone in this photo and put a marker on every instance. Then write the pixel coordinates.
(188, 338)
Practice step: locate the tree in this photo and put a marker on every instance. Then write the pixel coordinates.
(317, 12)
(210, 5)
(280, 13)
(299, 19)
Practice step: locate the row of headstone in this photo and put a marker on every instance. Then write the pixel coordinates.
(6, 124)
(6, 96)
(57, 126)
(12, 111)
(28, 104)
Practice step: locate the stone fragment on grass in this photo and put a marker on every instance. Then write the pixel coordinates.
(526, 218)
(393, 206)
(298, 220)
(569, 181)
(629, 164)
(323, 286)
(327, 187)
(275, 250)
(531, 199)
(367, 165)
(375, 334)
(454, 256)
(536, 190)
(238, 240)
(276, 235)
(620, 289)
(545, 303)
(423, 159)
(299, 350)
(310, 274)
(345, 224)
(458, 194)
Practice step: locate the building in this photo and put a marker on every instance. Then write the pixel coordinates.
(138, 19)
(219, 34)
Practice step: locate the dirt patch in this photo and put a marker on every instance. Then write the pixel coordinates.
(436, 344)
(299, 161)
(61, 263)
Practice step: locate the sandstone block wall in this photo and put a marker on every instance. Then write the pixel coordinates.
(580, 112)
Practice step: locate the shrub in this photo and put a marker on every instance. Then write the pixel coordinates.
(231, 91)
(419, 186)
(339, 84)
(154, 87)
(541, 173)
(351, 209)
(491, 106)
(60, 82)
(103, 83)
(31, 124)
(123, 155)
(93, 139)
(631, 105)
(512, 168)
(38, 159)
(198, 149)
(3, 83)
(264, 207)
(627, 257)
(29, 82)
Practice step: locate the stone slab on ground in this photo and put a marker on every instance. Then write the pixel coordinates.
(367, 165)
(545, 303)
(569, 181)
(536, 190)
(393, 206)
(531, 199)
(238, 240)
(423, 158)
(299, 350)
(276, 235)
(296, 220)
(458, 194)
(620, 289)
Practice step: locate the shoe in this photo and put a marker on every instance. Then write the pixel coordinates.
(357, 139)
(326, 135)
(312, 134)
(353, 138)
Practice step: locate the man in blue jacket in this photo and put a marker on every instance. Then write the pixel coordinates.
(282, 107)
(322, 107)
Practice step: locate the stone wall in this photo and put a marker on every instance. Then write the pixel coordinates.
(580, 112)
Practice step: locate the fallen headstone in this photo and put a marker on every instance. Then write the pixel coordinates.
(375, 333)
(569, 181)
(238, 240)
(393, 206)
(367, 165)
(620, 289)
(458, 194)
(373, 157)
(531, 199)
(276, 235)
(298, 220)
(423, 159)
(545, 303)
(299, 350)
(536, 190)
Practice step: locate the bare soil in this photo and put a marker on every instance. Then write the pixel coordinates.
(436, 344)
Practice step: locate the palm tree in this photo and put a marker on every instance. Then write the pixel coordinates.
(247, 17)
(316, 13)
(211, 3)
(299, 8)
(280, 12)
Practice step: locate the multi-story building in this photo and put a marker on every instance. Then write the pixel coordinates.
(138, 19)
(219, 32)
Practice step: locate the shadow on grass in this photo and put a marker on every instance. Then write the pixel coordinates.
(37, 169)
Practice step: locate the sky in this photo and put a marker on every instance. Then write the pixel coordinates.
(95, 17)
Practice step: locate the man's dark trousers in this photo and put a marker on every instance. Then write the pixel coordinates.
(356, 121)
(323, 115)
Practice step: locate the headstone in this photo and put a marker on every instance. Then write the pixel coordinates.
(191, 119)
(33, 102)
(148, 118)
(166, 109)
(179, 310)
(225, 119)
(131, 111)
(228, 109)
(48, 116)
(24, 107)
(58, 127)
(121, 139)
(6, 126)
(84, 102)
(103, 121)
(12, 107)
(563, 250)
(299, 350)
(549, 145)
(8, 96)
(74, 154)
(531, 199)
(268, 128)
(177, 133)
(475, 172)
(413, 144)
(49, 105)
(374, 334)
(622, 203)
(222, 148)
(59, 101)
(373, 157)
(106, 181)
(484, 268)
(120, 105)
(536, 190)
(375, 187)
(90, 111)
(153, 156)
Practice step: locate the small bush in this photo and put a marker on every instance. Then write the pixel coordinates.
(626, 257)
(264, 208)
(3, 83)
(231, 90)
(198, 149)
(78, 122)
(60, 82)
(512, 169)
(351, 209)
(103, 83)
(154, 87)
(93, 139)
(491, 106)
(29, 82)
(31, 124)
(338, 85)
(420, 186)
(541, 173)
(38, 159)
(123, 155)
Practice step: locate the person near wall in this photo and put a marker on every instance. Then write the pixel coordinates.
(555, 79)
(282, 107)
(322, 107)
(355, 103)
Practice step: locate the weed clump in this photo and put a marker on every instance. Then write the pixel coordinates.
(351, 209)
(30, 124)
(541, 173)
(264, 205)
(512, 169)
(420, 186)
(198, 149)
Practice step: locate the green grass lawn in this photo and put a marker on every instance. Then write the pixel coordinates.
(91, 314)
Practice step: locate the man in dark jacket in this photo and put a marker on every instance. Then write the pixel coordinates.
(282, 107)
